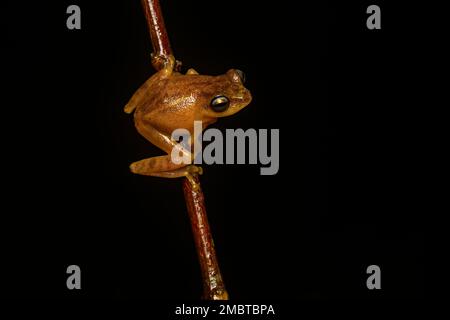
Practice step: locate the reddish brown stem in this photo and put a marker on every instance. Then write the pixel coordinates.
(213, 286)
(158, 34)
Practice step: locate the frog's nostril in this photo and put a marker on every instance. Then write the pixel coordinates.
(241, 75)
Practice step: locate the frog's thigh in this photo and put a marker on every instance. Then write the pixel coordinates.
(155, 166)
(157, 138)
(137, 96)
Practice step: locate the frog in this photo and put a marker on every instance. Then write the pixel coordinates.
(170, 100)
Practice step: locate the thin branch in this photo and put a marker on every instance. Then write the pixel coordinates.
(158, 34)
(213, 286)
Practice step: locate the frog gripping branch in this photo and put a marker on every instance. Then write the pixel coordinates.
(169, 100)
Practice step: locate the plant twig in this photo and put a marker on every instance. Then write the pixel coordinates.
(213, 286)
(158, 34)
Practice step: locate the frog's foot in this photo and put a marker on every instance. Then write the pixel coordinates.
(164, 64)
(193, 169)
(191, 172)
(163, 167)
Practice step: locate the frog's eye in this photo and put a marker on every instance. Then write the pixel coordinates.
(220, 103)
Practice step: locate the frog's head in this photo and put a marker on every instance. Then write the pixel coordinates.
(227, 96)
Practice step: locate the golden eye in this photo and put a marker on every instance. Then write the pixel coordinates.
(220, 103)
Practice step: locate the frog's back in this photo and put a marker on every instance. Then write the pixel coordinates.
(174, 95)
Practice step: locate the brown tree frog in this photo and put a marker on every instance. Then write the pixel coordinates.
(169, 100)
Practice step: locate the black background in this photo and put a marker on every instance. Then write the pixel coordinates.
(340, 202)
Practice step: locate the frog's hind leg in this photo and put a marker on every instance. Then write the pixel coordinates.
(163, 166)
(138, 96)
(187, 171)
(155, 166)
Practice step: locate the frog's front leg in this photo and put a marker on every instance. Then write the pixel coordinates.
(161, 140)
